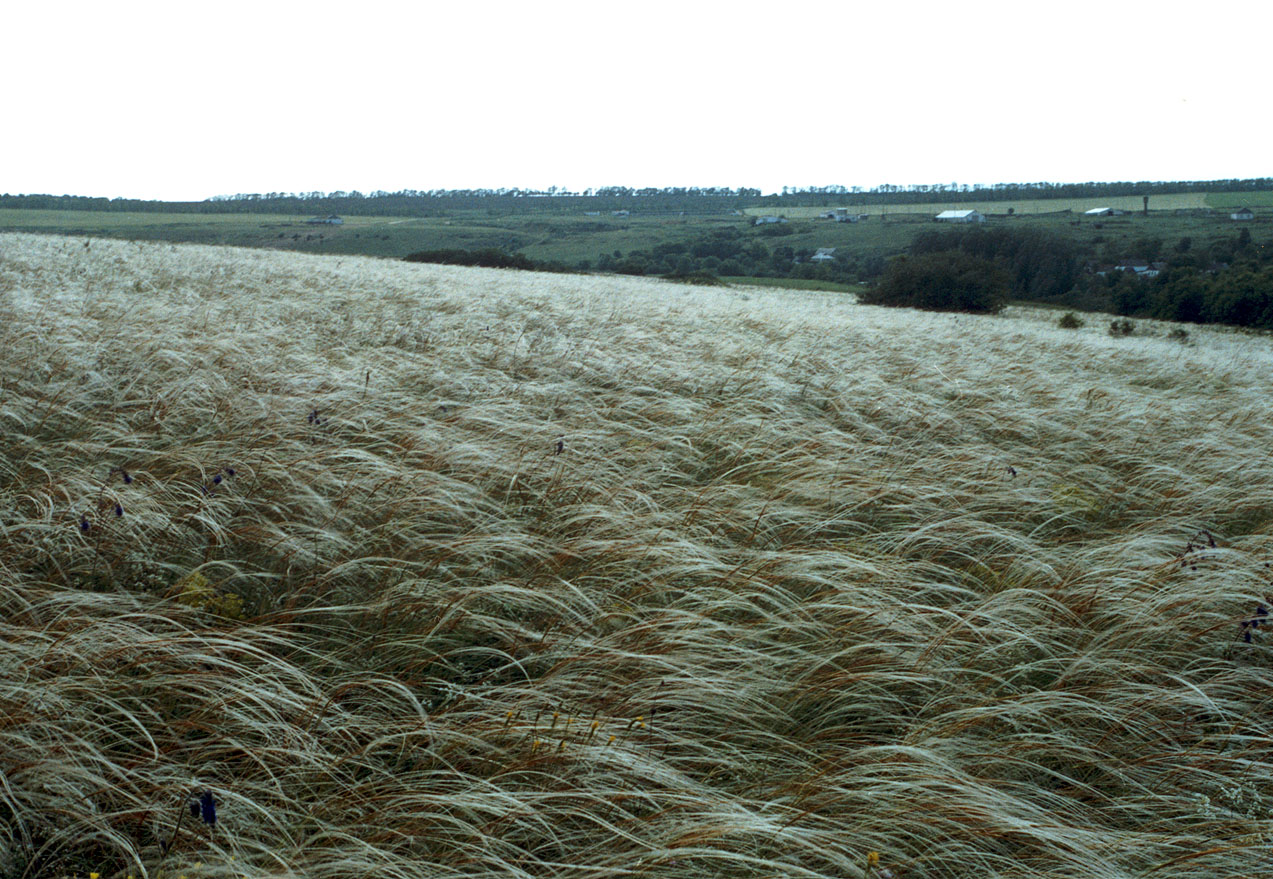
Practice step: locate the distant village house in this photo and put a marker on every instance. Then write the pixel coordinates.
(960, 217)
(761, 221)
(1102, 212)
(840, 215)
(1242, 214)
(1141, 268)
(823, 254)
(332, 220)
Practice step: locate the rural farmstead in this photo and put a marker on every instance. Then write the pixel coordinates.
(969, 216)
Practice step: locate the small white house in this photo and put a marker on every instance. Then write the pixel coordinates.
(1242, 214)
(823, 254)
(839, 215)
(761, 221)
(1141, 268)
(960, 217)
(620, 213)
(332, 220)
(1099, 212)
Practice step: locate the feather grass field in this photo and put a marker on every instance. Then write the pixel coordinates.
(317, 567)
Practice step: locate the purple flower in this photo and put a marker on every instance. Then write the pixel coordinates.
(229, 471)
(128, 479)
(84, 526)
(208, 808)
(119, 509)
(216, 480)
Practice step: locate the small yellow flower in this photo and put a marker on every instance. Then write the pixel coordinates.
(873, 859)
(94, 876)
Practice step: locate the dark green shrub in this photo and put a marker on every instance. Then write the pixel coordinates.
(490, 258)
(1121, 327)
(948, 280)
(1069, 321)
(1179, 334)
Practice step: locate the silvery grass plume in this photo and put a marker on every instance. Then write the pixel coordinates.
(602, 577)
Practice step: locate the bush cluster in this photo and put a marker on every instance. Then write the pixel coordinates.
(948, 280)
(737, 251)
(490, 257)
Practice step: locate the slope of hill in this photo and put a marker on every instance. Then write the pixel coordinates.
(407, 570)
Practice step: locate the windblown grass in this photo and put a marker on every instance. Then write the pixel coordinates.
(431, 571)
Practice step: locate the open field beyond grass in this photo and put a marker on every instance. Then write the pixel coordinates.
(1179, 201)
(421, 571)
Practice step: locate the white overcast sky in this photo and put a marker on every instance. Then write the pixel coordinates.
(178, 100)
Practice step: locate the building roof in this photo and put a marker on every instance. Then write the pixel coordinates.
(955, 215)
(1095, 211)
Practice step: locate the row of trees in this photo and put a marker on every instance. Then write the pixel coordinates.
(415, 202)
(914, 193)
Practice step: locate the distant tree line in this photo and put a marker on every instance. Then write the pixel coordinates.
(418, 203)
(412, 202)
(917, 193)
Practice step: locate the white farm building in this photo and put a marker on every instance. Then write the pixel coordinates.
(960, 217)
(1242, 214)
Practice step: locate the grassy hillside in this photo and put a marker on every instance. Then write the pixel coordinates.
(414, 570)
